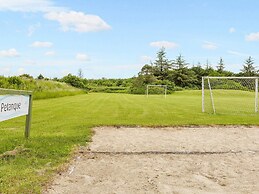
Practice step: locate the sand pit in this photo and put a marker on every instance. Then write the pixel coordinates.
(165, 160)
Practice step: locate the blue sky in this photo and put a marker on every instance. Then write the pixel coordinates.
(115, 38)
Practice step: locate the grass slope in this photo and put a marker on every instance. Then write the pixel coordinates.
(59, 124)
(42, 89)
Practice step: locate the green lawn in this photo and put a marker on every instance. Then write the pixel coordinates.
(231, 102)
(60, 124)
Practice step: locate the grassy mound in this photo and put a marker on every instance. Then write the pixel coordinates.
(42, 89)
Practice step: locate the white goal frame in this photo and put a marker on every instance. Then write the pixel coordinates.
(211, 93)
(164, 86)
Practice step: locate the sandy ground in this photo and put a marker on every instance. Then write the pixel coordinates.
(165, 160)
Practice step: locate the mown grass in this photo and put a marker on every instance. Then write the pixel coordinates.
(61, 124)
(231, 101)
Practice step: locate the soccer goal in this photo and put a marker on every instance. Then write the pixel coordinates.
(228, 95)
(156, 89)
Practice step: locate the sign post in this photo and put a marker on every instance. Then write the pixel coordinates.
(15, 103)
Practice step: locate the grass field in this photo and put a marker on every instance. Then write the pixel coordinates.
(61, 124)
(231, 102)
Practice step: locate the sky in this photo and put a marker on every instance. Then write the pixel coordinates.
(115, 38)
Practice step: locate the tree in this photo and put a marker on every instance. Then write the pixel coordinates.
(146, 70)
(139, 83)
(162, 65)
(40, 76)
(80, 73)
(199, 72)
(209, 71)
(248, 67)
(179, 63)
(207, 65)
(221, 66)
(182, 76)
(74, 81)
(26, 76)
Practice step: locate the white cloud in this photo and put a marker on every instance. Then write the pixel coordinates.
(78, 21)
(29, 6)
(232, 30)
(67, 18)
(82, 57)
(165, 44)
(253, 37)
(9, 53)
(38, 44)
(50, 53)
(209, 45)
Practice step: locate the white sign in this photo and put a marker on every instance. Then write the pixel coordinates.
(12, 106)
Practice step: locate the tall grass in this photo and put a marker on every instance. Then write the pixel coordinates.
(55, 94)
(42, 89)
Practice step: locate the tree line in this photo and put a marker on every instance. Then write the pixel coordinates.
(177, 75)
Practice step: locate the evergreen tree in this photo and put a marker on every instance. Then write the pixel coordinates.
(199, 72)
(179, 62)
(182, 76)
(162, 65)
(207, 65)
(40, 76)
(80, 73)
(146, 70)
(221, 66)
(248, 67)
(209, 71)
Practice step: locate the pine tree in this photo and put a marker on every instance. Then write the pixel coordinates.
(146, 70)
(221, 66)
(40, 76)
(80, 73)
(182, 76)
(162, 65)
(179, 62)
(248, 67)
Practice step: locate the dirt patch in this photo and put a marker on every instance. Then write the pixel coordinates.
(165, 160)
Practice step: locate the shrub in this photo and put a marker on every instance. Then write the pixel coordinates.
(74, 81)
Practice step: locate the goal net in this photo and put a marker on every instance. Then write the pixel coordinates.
(156, 89)
(230, 95)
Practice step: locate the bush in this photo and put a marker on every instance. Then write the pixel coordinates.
(16, 82)
(74, 81)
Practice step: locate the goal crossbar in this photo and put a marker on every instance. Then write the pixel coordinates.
(230, 77)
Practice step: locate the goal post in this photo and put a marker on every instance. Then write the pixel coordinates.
(226, 95)
(149, 89)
